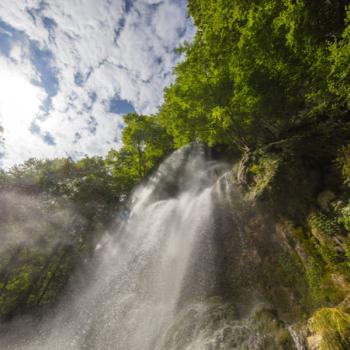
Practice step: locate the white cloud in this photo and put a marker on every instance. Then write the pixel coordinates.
(168, 21)
(113, 52)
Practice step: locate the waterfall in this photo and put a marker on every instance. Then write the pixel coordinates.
(155, 276)
(144, 268)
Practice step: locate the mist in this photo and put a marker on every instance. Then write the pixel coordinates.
(35, 221)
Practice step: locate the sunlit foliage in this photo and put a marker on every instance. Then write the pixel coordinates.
(258, 69)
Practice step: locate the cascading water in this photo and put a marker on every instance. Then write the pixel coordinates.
(155, 275)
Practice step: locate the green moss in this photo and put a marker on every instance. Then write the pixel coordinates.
(324, 224)
(344, 217)
(314, 273)
(322, 264)
(298, 233)
(266, 322)
(347, 254)
(19, 281)
(262, 171)
(282, 280)
(343, 163)
(329, 256)
(333, 325)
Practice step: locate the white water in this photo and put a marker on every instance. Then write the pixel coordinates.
(153, 276)
(146, 270)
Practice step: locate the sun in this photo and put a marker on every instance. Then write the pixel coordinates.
(20, 100)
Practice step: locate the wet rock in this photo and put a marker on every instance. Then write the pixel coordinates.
(314, 342)
(324, 199)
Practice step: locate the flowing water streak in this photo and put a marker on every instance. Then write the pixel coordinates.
(145, 271)
(297, 339)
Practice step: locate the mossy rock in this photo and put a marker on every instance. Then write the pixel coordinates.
(217, 326)
(330, 329)
(261, 174)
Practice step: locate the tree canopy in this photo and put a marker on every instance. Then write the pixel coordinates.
(256, 69)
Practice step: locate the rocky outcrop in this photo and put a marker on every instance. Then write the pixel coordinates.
(296, 223)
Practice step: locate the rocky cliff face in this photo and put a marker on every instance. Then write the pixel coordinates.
(282, 255)
(296, 227)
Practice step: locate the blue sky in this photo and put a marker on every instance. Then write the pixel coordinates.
(70, 70)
